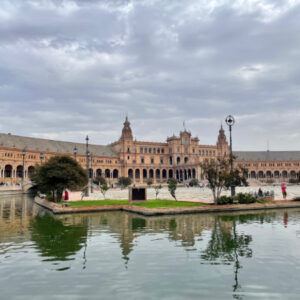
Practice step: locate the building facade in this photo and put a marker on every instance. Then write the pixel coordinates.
(179, 157)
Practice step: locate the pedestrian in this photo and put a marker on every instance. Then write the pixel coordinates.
(283, 190)
(66, 195)
(260, 193)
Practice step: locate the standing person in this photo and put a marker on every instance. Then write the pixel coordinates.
(66, 195)
(283, 190)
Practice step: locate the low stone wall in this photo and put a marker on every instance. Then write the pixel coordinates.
(57, 209)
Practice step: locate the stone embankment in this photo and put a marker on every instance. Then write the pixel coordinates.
(58, 209)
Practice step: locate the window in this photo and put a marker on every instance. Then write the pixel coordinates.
(128, 157)
(141, 150)
(171, 160)
(214, 153)
(193, 150)
(146, 150)
(142, 160)
(128, 150)
(150, 150)
(162, 150)
(209, 153)
(158, 150)
(152, 160)
(154, 150)
(161, 160)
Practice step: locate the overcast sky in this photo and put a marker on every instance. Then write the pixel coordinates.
(76, 67)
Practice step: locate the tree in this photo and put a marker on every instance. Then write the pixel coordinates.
(99, 180)
(104, 188)
(124, 182)
(149, 182)
(157, 189)
(57, 174)
(172, 186)
(220, 176)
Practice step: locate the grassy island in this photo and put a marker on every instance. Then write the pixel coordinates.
(148, 204)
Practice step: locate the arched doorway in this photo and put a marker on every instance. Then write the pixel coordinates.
(107, 173)
(170, 173)
(151, 173)
(20, 171)
(130, 173)
(144, 174)
(98, 172)
(185, 175)
(193, 173)
(137, 175)
(284, 174)
(293, 174)
(253, 174)
(269, 174)
(164, 174)
(260, 174)
(276, 174)
(115, 174)
(8, 171)
(31, 169)
(157, 174)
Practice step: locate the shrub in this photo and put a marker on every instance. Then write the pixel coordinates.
(193, 182)
(245, 198)
(225, 200)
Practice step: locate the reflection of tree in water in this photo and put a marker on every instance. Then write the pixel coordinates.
(56, 241)
(227, 245)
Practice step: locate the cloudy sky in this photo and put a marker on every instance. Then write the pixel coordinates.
(74, 67)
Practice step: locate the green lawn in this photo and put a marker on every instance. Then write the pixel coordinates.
(149, 204)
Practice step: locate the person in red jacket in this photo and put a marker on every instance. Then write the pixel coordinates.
(66, 195)
(283, 190)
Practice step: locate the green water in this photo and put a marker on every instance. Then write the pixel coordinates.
(117, 255)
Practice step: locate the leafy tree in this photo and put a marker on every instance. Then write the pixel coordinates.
(220, 176)
(124, 182)
(57, 174)
(104, 188)
(99, 180)
(149, 182)
(157, 189)
(172, 186)
(193, 182)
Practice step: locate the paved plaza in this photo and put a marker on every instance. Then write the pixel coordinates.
(187, 194)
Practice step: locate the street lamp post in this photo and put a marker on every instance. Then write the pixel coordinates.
(23, 168)
(92, 174)
(87, 163)
(75, 150)
(230, 122)
(41, 157)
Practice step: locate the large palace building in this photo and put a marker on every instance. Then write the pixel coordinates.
(179, 157)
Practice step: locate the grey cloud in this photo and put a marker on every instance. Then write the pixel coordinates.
(70, 67)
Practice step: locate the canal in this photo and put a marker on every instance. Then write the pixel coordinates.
(117, 255)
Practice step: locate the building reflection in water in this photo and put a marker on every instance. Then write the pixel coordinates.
(61, 238)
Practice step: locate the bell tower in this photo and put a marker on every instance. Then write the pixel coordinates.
(222, 144)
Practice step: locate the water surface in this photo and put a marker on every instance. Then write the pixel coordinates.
(117, 255)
